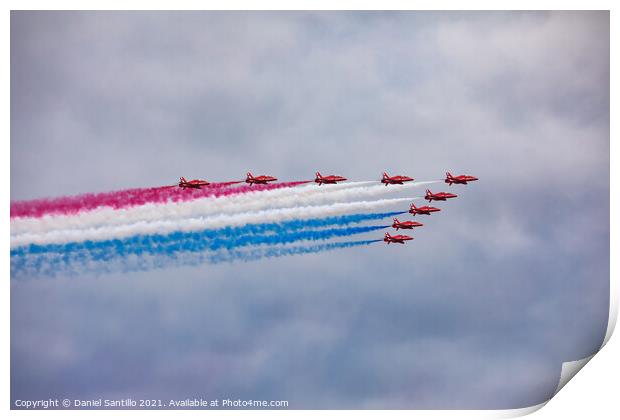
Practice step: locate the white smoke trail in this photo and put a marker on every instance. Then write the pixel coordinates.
(201, 223)
(250, 202)
(106, 216)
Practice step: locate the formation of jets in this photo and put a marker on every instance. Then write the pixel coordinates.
(426, 210)
(334, 179)
(386, 180)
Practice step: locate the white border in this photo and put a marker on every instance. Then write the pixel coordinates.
(596, 378)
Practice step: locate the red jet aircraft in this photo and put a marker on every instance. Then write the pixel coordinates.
(405, 225)
(396, 179)
(261, 179)
(422, 210)
(440, 196)
(397, 239)
(194, 183)
(330, 179)
(461, 179)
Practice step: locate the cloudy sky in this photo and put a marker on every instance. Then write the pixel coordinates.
(508, 282)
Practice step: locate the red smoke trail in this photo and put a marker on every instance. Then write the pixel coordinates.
(132, 197)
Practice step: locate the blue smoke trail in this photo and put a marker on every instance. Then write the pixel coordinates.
(141, 241)
(50, 257)
(57, 265)
(184, 242)
(260, 253)
(54, 258)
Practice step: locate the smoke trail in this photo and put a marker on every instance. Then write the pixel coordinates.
(249, 202)
(129, 198)
(60, 265)
(83, 253)
(227, 232)
(202, 223)
(257, 254)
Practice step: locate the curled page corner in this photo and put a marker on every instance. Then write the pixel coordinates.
(613, 313)
(519, 412)
(570, 369)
